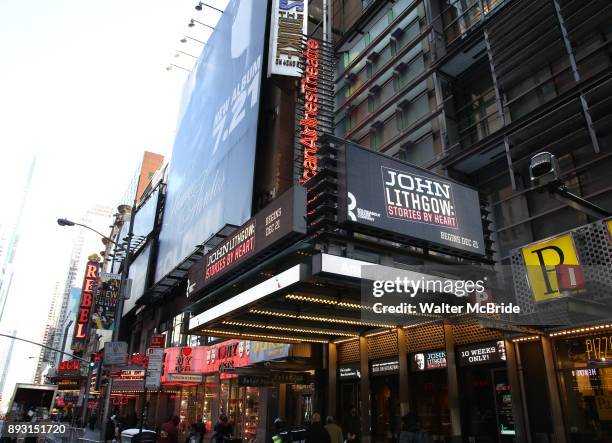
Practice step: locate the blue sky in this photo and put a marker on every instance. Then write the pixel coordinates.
(84, 85)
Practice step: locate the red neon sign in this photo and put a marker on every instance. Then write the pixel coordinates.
(309, 124)
(87, 294)
(69, 366)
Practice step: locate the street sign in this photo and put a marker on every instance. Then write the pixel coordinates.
(154, 368)
(157, 341)
(115, 353)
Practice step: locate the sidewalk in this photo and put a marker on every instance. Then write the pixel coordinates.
(90, 436)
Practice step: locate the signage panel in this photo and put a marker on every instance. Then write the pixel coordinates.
(288, 26)
(157, 341)
(350, 371)
(265, 351)
(284, 216)
(382, 193)
(384, 367)
(186, 378)
(81, 327)
(274, 378)
(115, 353)
(425, 361)
(542, 259)
(482, 353)
(69, 384)
(106, 301)
(69, 367)
(210, 176)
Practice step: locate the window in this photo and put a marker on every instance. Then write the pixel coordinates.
(176, 331)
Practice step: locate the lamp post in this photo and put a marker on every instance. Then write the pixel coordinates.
(122, 288)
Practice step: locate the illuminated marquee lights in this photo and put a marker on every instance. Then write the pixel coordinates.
(319, 318)
(326, 301)
(310, 123)
(580, 330)
(220, 333)
(288, 329)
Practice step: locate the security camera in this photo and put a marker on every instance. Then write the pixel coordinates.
(544, 170)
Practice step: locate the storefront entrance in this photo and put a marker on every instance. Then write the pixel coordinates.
(429, 400)
(486, 405)
(485, 394)
(585, 375)
(385, 408)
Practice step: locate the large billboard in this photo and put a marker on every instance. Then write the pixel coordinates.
(382, 193)
(281, 219)
(210, 178)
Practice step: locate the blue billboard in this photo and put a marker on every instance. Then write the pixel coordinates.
(210, 178)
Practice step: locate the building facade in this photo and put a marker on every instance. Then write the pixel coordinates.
(260, 241)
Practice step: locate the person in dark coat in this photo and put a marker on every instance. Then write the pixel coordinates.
(223, 427)
(169, 431)
(316, 432)
(352, 423)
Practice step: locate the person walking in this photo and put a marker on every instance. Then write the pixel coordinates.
(411, 432)
(281, 433)
(334, 430)
(194, 435)
(352, 423)
(316, 432)
(223, 427)
(169, 431)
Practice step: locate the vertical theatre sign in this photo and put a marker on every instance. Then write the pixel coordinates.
(81, 328)
(288, 25)
(103, 315)
(315, 106)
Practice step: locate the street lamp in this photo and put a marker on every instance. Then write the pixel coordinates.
(66, 222)
(172, 65)
(201, 4)
(193, 22)
(184, 40)
(122, 287)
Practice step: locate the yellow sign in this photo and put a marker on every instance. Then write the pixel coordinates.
(609, 223)
(541, 260)
(604, 407)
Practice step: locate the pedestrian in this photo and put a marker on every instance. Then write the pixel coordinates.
(351, 437)
(352, 422)
(168, 432)
(201, 428)
(334, 430)
(411, 432)
(316, 432)
(194, 436)
(223, 427)
(93, 418)
(281, 433)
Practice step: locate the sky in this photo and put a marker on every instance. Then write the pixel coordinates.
(84, 87)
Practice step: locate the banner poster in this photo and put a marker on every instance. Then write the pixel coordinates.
(103, 316)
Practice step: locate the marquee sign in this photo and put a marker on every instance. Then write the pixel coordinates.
(81, 328)
(276, 222)
(288, 25)
(315, 114)
(379, 192)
